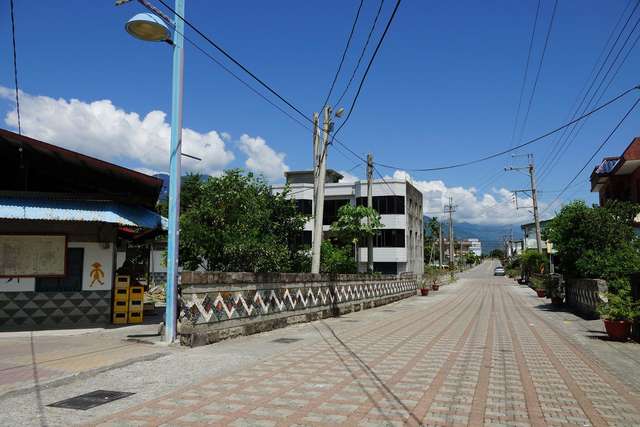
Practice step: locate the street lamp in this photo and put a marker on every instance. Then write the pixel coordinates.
(149, 27)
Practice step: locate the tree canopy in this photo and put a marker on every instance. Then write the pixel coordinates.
(235, 222)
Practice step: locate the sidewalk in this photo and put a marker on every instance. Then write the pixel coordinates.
(41, 359)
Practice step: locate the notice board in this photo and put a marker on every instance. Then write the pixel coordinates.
(32, 255)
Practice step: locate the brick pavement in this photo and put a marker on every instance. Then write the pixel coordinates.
(483, 356)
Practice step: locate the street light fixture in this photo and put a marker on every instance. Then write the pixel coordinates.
(150, 27)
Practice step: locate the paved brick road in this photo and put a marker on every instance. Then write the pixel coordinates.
(482, 356)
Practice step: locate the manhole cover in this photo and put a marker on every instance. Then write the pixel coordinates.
(349, 320)
(91, 400)
(286, 340)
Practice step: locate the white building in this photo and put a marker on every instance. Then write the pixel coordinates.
(476, 246)
(529, 233)
(399, 246)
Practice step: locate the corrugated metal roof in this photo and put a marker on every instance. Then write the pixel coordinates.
(80, 210)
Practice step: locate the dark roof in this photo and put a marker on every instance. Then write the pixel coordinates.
(47, 168)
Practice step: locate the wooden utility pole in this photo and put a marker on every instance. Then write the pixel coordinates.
(531, 170)
(450, 209)
(370, 205)
(319, 181)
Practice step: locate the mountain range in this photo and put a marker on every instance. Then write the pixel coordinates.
(491, 236)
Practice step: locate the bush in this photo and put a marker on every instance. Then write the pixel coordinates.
(620, 305)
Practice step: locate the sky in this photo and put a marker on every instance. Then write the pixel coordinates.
(443, 89)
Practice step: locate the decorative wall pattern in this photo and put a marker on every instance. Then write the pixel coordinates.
(51, 309)
(584, 295)
(220, 305)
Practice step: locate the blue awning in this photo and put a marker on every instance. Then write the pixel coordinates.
(80, 210)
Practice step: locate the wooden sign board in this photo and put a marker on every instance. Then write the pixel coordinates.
(27, 255)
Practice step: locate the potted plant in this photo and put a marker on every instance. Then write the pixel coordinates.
(434, 284)
(537, 284)
(554, 289)
(424, 289)
(618, 313)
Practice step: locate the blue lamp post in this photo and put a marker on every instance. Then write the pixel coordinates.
(149, 27)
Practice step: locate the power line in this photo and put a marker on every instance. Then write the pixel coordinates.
(559, 148)
(232, 59)
(385, 181)
(366, 72)
(364, 50)
(15, 66)
(524, 144)
(344, 54)
(526, 72)
(535, 83)
(595, 153)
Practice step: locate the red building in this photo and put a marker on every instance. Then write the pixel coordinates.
(618, 178)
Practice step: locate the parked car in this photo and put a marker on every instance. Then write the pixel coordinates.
(499, 271)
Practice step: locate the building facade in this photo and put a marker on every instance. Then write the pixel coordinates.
(399, 245)
(475, 246)
(529, 235)
(618, 178)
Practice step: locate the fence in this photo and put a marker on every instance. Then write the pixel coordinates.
(584, 295)
(217, 306)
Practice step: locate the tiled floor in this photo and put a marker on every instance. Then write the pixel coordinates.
(484, 356)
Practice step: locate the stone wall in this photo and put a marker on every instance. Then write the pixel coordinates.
(216, 306)
(584, 295)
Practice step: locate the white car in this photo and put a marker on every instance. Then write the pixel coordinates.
(499, 271)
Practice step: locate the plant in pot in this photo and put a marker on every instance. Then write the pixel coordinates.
(618, 313)
(435, 285)
(554, 288)
(424, 289)
(538, 285)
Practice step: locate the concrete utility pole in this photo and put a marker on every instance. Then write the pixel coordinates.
(319, 179)
(530, 168)
(440, 243)
(370, 205)
(450, 209)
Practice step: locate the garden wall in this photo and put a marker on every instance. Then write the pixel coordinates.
(584, 295)
(217, 306)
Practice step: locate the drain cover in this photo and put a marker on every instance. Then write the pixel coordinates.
(349, 320)
(91, 400)
(286, 340)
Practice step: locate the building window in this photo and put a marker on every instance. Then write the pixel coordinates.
(331, 208)
(389, 238)
(385, 205)
(72, 282)
(304, 206)
(385, 267)
(302, 239)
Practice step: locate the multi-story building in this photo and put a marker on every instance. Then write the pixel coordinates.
(476, 246)
(398, 246)
(529, 233)
(618, 178)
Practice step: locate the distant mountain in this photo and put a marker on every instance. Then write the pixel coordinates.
(491, 236)
(164, 192)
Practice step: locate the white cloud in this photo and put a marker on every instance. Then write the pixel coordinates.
(348, 177)
(102, 130)
(495, 207)
(261, 158)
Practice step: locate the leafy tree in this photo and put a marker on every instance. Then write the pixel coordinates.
(236, 223)
(353, 227)
(596, 242)
(497, 253)
(431, 236)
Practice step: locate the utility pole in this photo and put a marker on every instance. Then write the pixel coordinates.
(319, 179)
(450, 209)
(370, 205)
(531, 171)
(440, 243)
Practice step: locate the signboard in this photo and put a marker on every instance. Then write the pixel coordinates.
(32, 255)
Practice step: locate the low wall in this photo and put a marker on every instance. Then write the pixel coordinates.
(216, 306)
(584, 295)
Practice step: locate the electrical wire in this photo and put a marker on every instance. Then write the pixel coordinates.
(526, 73)
(385, 181)
(535, 83)
(595, 153)
(344, 54)
(524, 144)
(15, 65)
(364, 50)
(366, 72)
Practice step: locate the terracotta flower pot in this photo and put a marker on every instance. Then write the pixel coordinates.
(556, 300)
(424, 292)
(435, 287)
(618, 329)
(541, 293)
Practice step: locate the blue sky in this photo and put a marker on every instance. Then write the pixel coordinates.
(443, 89)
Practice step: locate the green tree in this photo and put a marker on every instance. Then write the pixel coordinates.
(355, 224)
(431, 236)
(596, 242)
(236, 223)
(497, 253)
